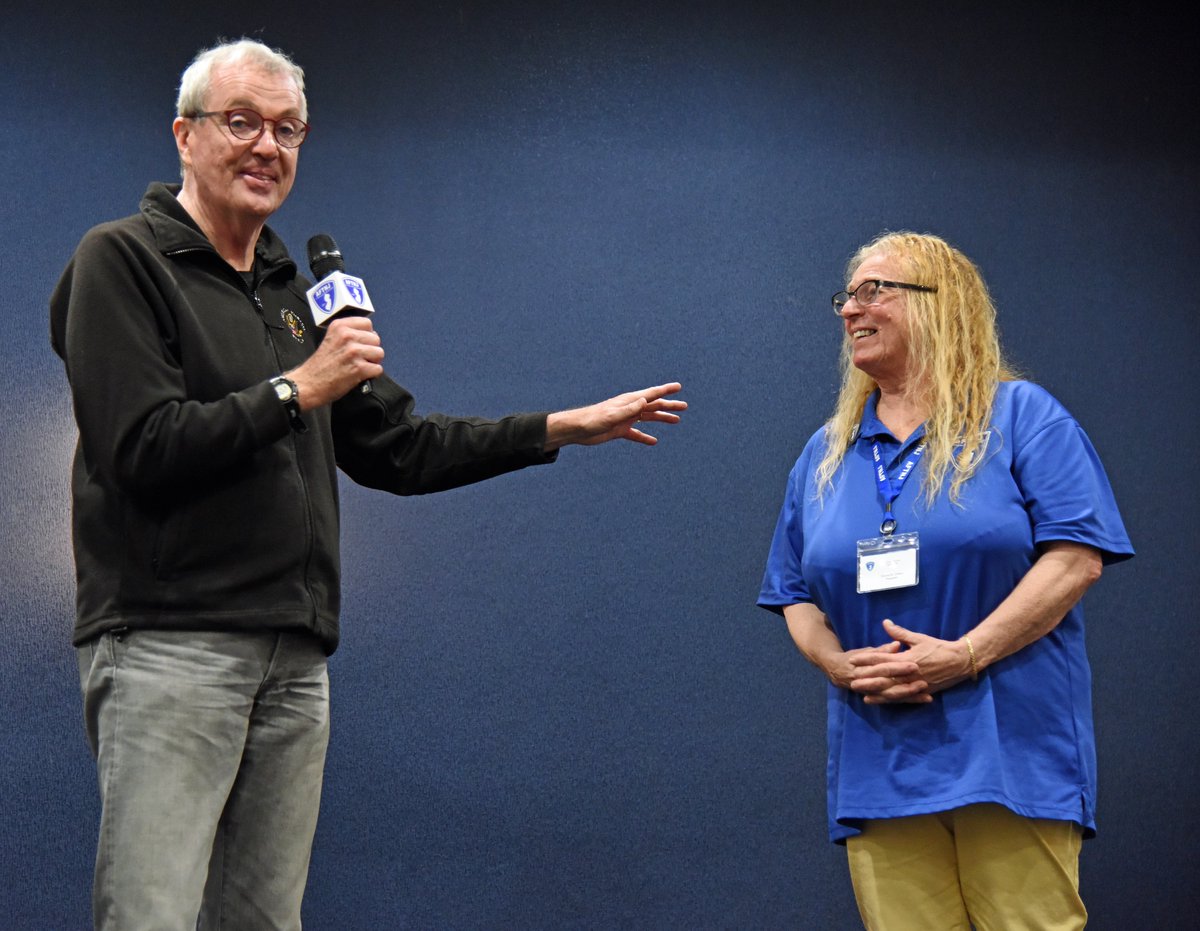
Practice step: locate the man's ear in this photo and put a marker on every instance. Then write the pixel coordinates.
(183, 133)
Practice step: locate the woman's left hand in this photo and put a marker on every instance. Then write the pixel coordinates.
(941, 664)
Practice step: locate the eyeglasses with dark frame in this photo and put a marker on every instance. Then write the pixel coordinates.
(868, 290)
(247, 125)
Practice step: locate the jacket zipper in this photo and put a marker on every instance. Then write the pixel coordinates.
(294, 440)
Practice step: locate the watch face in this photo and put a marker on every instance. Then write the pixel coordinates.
(283, 390)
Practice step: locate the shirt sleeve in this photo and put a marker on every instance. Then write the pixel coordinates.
(1066, 491)
(783, 580)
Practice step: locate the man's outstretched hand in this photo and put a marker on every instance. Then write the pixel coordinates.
(615, 419)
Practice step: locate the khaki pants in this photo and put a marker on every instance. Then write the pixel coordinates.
(980, 865)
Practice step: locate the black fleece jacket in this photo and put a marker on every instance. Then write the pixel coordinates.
(195, 505)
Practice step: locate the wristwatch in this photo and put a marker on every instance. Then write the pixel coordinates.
(289, 397)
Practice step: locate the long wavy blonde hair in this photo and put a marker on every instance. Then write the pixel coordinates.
(954, 358)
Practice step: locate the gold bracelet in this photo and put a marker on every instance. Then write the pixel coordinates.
(971, 655)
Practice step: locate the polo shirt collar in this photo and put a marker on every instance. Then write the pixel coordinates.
(870, 427)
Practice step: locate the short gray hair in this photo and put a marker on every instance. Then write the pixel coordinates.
(196, 80)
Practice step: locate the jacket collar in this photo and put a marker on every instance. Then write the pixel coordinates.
(175, 231)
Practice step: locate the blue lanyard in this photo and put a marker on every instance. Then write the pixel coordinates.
(889, 488)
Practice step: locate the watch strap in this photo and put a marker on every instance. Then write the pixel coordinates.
(291, 404)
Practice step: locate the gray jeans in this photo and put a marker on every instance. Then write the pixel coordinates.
(210, 749)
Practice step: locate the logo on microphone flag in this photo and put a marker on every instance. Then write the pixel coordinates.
(336, 293)
(323, 294)
(357, 289)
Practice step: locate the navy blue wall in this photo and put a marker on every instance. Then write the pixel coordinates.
(555, 704)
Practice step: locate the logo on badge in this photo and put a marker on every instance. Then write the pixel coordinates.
(294, 324)
(871, 565)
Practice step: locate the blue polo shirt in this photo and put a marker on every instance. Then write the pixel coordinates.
(1021, 735)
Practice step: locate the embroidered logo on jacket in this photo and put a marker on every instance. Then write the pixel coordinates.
(294, 323)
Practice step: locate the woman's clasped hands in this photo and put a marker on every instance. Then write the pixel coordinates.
(907, 670)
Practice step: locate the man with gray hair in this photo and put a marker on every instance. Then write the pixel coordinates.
(213, 416)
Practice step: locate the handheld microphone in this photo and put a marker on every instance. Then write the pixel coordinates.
(335, 292)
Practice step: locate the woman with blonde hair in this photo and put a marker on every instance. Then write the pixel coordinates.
(936, 537)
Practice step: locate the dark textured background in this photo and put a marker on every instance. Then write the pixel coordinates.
(556, 705)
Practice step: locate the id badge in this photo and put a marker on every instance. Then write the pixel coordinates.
(887, 562)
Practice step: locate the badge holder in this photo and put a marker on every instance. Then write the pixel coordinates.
(888, 562)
